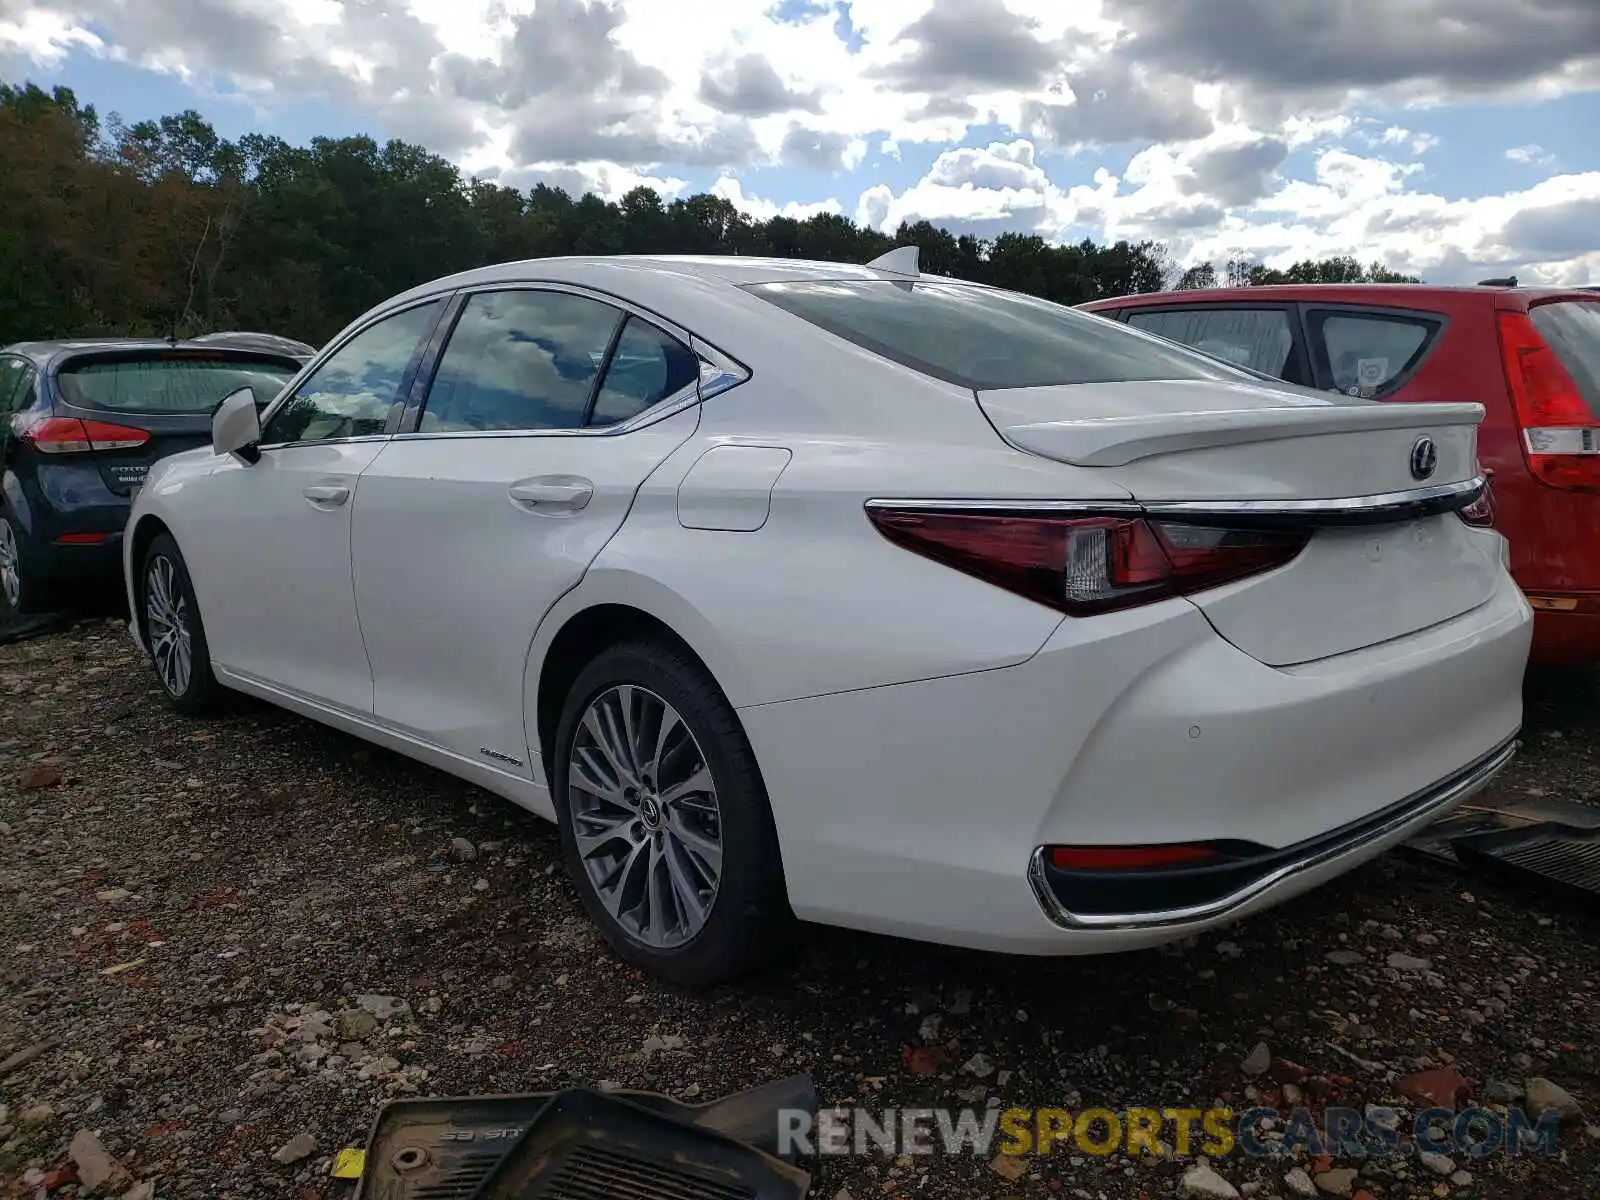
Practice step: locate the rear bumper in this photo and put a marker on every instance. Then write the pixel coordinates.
(1234, 888)
(1566, 636)
(916, 810)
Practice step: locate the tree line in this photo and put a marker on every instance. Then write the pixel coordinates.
(164, 228)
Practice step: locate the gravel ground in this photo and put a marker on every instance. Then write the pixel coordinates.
(187, 910)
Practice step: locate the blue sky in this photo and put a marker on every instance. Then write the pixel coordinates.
(1103, 118)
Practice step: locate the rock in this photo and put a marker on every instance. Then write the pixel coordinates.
(1200, 1182)
(1299, 1184)
(22, 1058)
(929, 1029)
(1009, 1167)
(1257, 1061)
(1439, 1164)
(1345, 958)
(979, 1065)
(356, 1025)
(461, 850)
(383, 1007)
(36, 1116)
(1285, 1071)
(300, 1146)
(113, 895)
(1340, 1181)
(1382, 1118)
(1543, 1096)
(231, 1116)
(38, 777)
(95, 1164)
(1229, 949)
(1500, 1092)
(480, 885)
(1462, 1179)
(1440, 1087)
(1407, 962)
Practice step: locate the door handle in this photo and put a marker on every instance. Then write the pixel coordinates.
(326, 495)
(551, 494)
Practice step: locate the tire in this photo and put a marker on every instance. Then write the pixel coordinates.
(746, 919)
(167, 606)
(21, 593)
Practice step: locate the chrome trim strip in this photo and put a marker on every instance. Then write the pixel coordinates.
(1430, 804)
(1437, 498)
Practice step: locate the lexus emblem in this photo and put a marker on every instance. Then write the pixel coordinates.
(1424, 458)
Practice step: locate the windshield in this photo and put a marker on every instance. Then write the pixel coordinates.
(984, 339)
(1572, 329)
(175, 386)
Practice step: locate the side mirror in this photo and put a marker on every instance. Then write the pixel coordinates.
(236, 426)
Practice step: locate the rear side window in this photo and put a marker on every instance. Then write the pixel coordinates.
(1258, 338)
(1571, 328)
(986, 339)
(11, 373)
(169, 386)
(520, 360)
(646, 367)
(1368, 353)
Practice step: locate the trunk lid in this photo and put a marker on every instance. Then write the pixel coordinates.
(1382, 561)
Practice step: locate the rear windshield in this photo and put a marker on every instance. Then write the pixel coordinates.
(170, 386)
(1572, 329)
(986, 339)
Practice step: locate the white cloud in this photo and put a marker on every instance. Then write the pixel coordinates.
(1531, 155)
(733, 192)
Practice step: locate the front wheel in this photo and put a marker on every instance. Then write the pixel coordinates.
(665, 826)
(174, 633)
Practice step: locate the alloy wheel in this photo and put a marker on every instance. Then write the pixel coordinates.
(167, 618)
(10, 565)
(645, 816)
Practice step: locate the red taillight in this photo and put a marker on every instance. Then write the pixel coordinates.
(1086, 565)
(1481, 511)
(1131, 858)
(69, 435)
(81, 539)
(1560, 435)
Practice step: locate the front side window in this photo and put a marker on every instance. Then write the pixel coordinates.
(11, 373)
(1258, 338)
(983, 338)
(520, 360)
(350, 393)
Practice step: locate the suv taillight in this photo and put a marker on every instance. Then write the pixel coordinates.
(69, 435)
(1087, 565)
(1560, 435)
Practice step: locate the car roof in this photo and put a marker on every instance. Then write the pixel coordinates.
(1422, 294)
(48, 355)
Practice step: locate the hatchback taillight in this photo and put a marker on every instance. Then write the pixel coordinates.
(1560, 435)
(1087, 565)
(70, 435)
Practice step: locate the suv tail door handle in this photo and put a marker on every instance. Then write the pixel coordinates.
(551, 494)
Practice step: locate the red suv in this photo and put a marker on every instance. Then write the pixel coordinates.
(1530, 356)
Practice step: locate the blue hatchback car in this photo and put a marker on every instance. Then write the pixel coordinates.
(80, 424)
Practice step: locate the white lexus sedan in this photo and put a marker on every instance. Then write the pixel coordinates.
(853, 595)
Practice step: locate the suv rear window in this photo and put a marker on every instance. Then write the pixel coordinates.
(986, 339)
(1572, 329)
(175, 386)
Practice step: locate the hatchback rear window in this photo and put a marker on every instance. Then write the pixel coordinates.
(175, 386)
(985, 339)
(1572, 329)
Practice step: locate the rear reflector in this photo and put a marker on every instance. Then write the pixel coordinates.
(1086, 565)
(1131, 858)
(69, 435)
(1560, 435)
(81, 539)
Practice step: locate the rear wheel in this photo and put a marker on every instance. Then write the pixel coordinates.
(174, 633)
(21, 592)
(665, 826)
